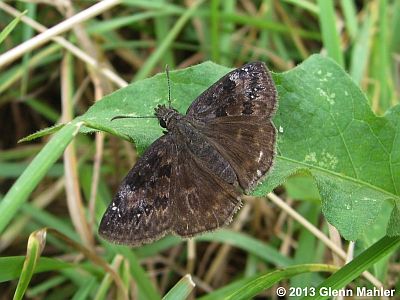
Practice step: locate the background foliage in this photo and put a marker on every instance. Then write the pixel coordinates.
(338, 150)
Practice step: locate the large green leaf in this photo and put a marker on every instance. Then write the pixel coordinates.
(329, 130)
(326, 129)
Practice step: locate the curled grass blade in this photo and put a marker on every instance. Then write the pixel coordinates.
(36, 243)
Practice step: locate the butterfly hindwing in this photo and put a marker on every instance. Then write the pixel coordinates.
(204, 201)
(246, 142)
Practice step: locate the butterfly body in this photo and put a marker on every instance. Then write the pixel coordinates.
(191, 179)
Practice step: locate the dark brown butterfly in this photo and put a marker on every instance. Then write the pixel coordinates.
(191, 179)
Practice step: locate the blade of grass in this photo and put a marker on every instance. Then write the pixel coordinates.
(36, 243)
(105, 284)
(181, 290)
(260, 23)
(10, 27)
(44, 286)
(306, 242)
(395, 44)
(248, 288)
(162, 25)
(227, 31)
(34, 173)
(291, 24)
(19, 152)
(141, 277)
(307, 5)
(361, 50)
(43, 109)
(330, 36)
(214, 21)
(72, 189)
(117, 22)
(357, 266)
(12, 75)
(155, 57)
(27, 33)
(11, 266)
(87, 286)
(248, 244)
(14, 170)
(384, 58)
(350, 16)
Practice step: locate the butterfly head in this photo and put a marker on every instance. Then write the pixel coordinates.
(167, 116)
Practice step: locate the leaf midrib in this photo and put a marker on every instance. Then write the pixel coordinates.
(339, 175)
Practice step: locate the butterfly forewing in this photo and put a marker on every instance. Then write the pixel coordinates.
(247, 143)
(203, 203)
(248, 90)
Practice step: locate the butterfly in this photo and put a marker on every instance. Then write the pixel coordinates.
(192, 178)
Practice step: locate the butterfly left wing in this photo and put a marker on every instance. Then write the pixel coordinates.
(141, 209)
(169, 190)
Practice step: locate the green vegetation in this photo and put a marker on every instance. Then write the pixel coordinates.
(328, 215)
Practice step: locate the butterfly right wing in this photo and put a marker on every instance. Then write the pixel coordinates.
(142, 208)
(203, 201)
(248, 90)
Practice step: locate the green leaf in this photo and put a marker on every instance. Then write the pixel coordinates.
(328, 130)
(302, 187)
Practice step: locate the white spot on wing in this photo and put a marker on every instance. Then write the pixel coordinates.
(259, 173)
(260, 156)
(234, 76)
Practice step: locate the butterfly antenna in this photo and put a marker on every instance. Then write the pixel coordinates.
(132, 117)
(169, 85)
